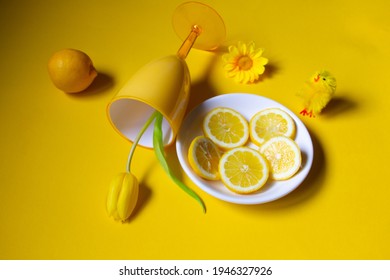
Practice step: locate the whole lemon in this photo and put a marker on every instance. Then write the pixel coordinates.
(71, 70)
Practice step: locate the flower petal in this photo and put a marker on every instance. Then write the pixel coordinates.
(258, 53)
(251, 48)
(260, 61)
(251, 72)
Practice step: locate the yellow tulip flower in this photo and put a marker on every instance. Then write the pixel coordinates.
(122, 196)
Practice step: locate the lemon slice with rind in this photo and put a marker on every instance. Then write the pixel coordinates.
(283, 155)
(243, 170)
(270, 122)
(203, 157)
(226, 127)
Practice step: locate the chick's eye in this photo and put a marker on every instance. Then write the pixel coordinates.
(324, 79)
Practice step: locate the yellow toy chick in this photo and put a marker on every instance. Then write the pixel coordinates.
(317, 92)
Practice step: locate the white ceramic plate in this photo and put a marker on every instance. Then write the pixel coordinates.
(247, 105)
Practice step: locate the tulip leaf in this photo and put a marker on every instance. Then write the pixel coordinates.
(159, 150)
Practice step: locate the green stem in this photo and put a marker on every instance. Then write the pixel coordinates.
(159, 149)
(135, 143)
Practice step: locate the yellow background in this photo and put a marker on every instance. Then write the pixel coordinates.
(59, 152)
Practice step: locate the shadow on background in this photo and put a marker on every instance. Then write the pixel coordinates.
(270, 70)
(144, 195)
(199, 92)
(338, 105)
(102, 83)
(202, 89)
(308, 189)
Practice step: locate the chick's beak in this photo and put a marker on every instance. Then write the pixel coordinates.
(316, 79)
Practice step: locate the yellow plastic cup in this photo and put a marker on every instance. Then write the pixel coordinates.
(161, 85)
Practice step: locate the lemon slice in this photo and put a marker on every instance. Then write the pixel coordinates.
(283, 155)
(268, 123)
(226, 127)
(243, 170)
(203, 157)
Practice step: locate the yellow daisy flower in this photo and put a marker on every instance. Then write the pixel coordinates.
(244, 63)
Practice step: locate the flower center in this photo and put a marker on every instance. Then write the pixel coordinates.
(244, 63)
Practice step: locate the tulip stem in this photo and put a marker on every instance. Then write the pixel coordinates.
(136, 140)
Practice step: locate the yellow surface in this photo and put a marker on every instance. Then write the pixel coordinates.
(59, 152)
